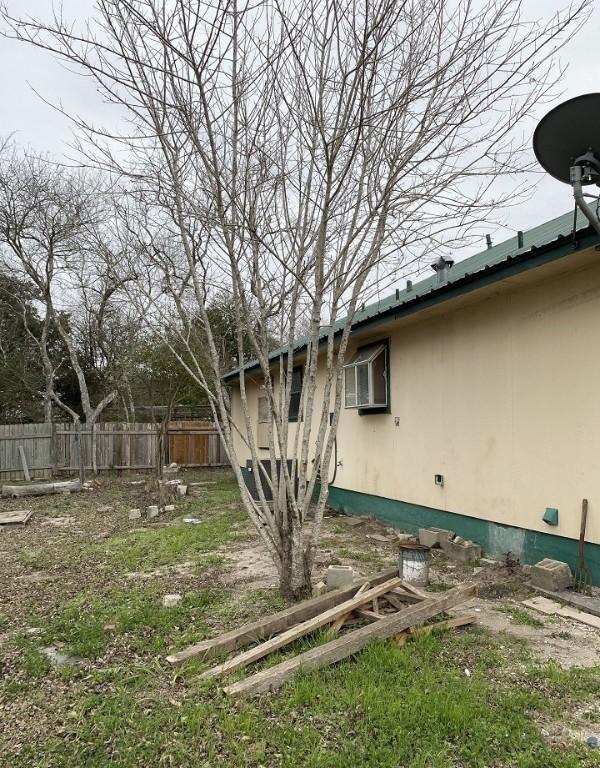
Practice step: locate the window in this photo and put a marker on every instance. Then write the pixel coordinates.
(295, 393)
(262, 432)
(366, 378)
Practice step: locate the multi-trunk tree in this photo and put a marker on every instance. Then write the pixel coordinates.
(296, 156)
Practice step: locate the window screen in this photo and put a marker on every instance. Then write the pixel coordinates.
(366, 378)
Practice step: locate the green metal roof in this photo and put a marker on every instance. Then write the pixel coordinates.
(549, 236)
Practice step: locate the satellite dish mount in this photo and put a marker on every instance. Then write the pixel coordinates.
(567, 145)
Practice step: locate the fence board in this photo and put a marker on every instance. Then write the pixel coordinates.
(36, 442)
(52, 448)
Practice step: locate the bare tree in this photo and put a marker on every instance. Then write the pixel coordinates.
(48, 218)
(298, 155)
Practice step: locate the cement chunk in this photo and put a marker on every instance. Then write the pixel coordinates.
(552, 608)
(553, 575)
(433, 537)
(152, 511)
(135, 514)
(182, 490)
(170, 601)
(463, 551)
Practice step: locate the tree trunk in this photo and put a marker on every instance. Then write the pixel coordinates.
(295, 581)
(48, 405)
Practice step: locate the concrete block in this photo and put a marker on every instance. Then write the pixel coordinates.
(170, 508)
(319, 589)
(463, 551)
(152, 512)
(551, 574)
(170, 601)
(434, 537)
(182, 490)
(135, 514)
(340, 575)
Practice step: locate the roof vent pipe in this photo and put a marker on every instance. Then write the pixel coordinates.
(441, 267)
(488, 241)
(409, 285)
(519, 239)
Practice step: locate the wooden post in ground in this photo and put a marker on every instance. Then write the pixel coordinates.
(79, 452)
(24, 464)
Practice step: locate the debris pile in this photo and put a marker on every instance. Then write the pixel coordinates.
(389, 606)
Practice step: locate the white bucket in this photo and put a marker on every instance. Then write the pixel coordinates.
(413, 566)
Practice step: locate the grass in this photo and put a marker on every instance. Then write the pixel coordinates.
(137, 614)
(389, 707)
(521, 616)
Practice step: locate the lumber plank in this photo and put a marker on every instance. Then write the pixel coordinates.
(350, 643)
(406, 597)
(310, 625)
(365, 613)
(339, 623)
(459, 621)
(276, 622)
(395, 602)
(415, 590)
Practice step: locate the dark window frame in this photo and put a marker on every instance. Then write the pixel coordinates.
(296, 394)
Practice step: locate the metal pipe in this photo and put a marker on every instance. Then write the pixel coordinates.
(580, 200)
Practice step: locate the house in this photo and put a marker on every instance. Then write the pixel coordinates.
(472, 399)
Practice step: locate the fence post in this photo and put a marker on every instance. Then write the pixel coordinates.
(80, 458)
(52, 451)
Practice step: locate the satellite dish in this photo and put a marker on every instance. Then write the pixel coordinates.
(568, 136)
(567, 145)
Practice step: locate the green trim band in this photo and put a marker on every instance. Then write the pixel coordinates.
(497, 539)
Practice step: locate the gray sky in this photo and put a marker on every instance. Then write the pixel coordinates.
(39, 126)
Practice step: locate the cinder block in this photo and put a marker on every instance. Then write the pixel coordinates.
(340, 575)
(152, 512)
(170, 508)
(463, 551)
(135, 514)
(433, 537)
(551, 574)
(182, 490)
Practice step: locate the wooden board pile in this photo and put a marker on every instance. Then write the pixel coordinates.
(392, 608)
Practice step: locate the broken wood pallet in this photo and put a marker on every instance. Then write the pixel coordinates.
(349, 644)
(277, 622)
(300, 630)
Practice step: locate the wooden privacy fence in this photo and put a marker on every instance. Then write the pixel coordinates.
(48, 449)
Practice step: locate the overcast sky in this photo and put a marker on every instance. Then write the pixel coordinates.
(36, 124)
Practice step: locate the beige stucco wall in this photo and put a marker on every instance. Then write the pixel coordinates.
(500, 393)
